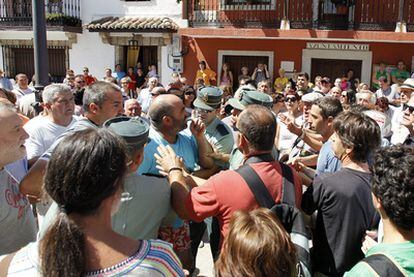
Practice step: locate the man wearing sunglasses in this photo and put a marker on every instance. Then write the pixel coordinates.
(404, 134)
(406, 92)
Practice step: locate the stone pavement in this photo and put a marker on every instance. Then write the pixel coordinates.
(204, 262)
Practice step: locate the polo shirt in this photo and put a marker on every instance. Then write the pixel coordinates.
(227, 192)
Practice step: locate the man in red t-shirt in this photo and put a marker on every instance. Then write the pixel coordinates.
(89, 79)
(227, 191)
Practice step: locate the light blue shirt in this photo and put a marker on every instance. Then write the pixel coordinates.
(185, 147)
(327, 162)
(6, 83)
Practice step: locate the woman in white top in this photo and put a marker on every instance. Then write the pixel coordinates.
(84, 177)
(286, 139)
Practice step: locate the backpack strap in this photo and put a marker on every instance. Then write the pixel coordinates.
(383, 265)
(288, 187)
(256, 185)
(5, 264)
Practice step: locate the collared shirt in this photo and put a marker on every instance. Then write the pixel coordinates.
(220, 135)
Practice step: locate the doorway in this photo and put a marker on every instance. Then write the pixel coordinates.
(146, 55)
(334, 68)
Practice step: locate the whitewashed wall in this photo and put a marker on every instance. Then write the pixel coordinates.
(90, 51)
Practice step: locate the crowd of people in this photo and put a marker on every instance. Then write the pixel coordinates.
(125, 175)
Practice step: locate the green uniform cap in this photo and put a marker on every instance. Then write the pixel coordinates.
(250, 96)
(134, 130)
(208, 98)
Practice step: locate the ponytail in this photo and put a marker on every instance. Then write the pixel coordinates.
(62, 249)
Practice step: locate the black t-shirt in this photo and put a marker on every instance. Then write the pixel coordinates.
(140, 80)
(79, 96)
(345, 211)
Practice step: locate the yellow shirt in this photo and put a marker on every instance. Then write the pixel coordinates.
(206, 75)
(280, 83)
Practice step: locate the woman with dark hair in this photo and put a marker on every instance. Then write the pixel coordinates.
(348, 97)
(189, 95)
(256, 245)
(85, 178)
(343, 198)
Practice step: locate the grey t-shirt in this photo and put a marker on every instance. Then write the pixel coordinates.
(17, 223)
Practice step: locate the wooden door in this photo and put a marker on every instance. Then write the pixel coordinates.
(237, 62)
(334, 68)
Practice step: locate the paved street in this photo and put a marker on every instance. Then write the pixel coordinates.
(204, 262)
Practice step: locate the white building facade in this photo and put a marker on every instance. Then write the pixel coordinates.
(74, 44)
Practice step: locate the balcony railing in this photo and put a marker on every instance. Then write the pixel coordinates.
(59, 13)
(302, 14)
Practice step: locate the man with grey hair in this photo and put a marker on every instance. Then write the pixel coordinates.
(144, 97)
(101, 102)
(366, 98)
(17, 225)
(58, 104)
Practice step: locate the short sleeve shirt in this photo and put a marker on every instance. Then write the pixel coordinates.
(400, 74)
(185, 147)
(206, 75)
(327, 162)
(221, 136)
(226, 192)
(401, 253)
(17, 223)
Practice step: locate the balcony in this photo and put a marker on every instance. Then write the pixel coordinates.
(379, 15)
(61, 15)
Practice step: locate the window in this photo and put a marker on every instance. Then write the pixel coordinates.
(248, 2)
(268, 5)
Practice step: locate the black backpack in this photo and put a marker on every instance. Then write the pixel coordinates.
(290, 216)
(383, 265)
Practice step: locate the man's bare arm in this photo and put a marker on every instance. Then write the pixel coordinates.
(32, 183)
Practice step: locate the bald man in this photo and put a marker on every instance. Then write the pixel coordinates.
(168, 118)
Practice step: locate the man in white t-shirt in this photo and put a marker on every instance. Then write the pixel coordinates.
(59, 105)
(17, 225)
(43, 130)
(22, 86)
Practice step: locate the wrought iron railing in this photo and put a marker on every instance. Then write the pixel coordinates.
(308, 14)
(58, 13)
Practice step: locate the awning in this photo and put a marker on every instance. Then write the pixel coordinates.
(131, 24)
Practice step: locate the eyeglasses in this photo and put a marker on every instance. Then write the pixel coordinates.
(291, 99)
(343, 95)
(279, 99)
(410, 108)
(189, 92)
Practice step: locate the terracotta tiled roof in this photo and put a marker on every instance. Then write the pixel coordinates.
(133, 24)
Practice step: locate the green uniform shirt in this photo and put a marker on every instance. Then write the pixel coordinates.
(402, 254)
(237, 157)
(221, 136)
